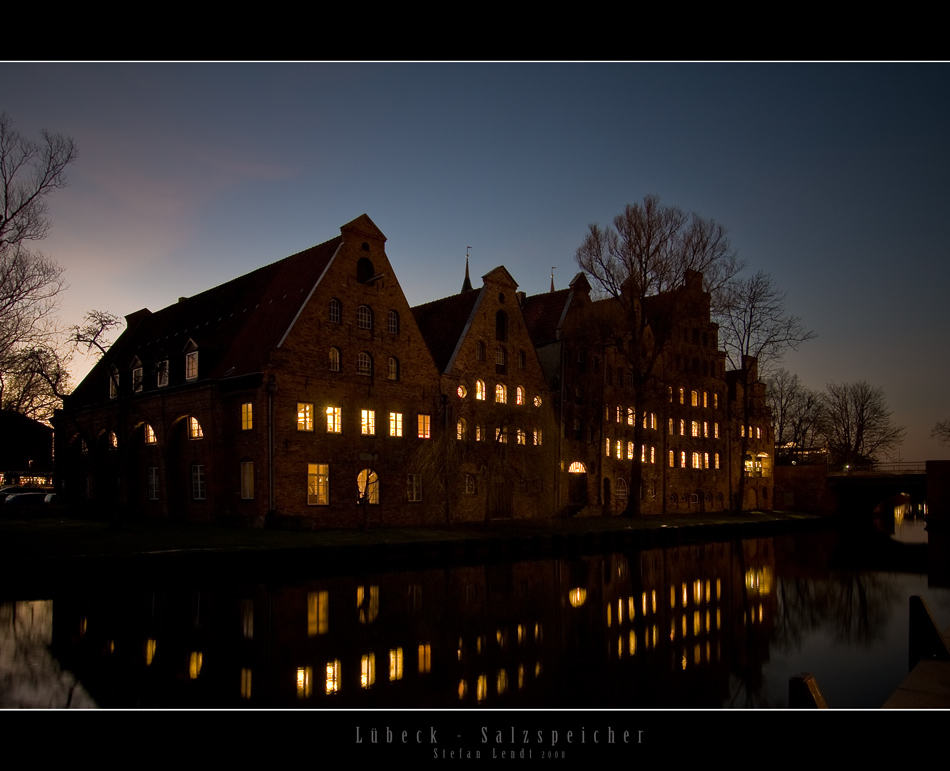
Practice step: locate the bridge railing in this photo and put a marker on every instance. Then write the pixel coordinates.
(880, 469)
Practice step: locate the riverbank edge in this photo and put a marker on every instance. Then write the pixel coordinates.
(40, 555)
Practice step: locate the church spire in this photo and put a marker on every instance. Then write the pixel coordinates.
(467, 283)
(552, 278)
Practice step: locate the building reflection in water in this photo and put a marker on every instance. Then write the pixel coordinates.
(589, 631)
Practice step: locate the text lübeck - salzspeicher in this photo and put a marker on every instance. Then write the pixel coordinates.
(509, 740)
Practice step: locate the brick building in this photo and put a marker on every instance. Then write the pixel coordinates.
(309, 392)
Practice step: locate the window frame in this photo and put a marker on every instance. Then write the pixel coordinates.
(304, 416)
(424, 426)
(392, 322)
(191, 365)
(364, 317)
(364, 364)
(318, 480)
(247, 416)
(247, 480)
(395, 424)
(334, 359)
(199, 488)
(334, 420)
(335, 311)
(414, 488)
(368, 422)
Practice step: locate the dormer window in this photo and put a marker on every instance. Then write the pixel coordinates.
(191, 365)
(162, 373)
(113, 383)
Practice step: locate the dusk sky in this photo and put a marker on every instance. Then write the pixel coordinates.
(833, 178)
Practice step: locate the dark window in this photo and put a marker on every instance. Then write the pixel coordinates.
(501, 326)
(364, 270)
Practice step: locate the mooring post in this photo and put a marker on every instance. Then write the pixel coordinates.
(803, 692)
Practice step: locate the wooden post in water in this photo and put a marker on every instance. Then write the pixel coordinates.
(803, 692)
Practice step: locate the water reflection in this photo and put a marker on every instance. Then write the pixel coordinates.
(698, 625)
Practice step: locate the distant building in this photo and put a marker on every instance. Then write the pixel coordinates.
(308, 392)
(26, 450)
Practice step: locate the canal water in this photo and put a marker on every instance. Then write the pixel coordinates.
(721, 624)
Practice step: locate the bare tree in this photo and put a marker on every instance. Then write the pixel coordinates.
(857, 426)
(796, 415)
(641, 259)
(753, 322)
(941, 432)
(30, 282)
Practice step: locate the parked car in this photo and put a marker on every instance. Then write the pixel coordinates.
(28, 500)
(20, 489)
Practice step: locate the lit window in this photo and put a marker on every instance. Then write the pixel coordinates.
(478, 433)
(683, 459)
(198, 482)
(414, 487)
(194, 428)
(682, 396)
(150, 437)
(694, 398)
(153, 483)
(537, 401)
(247, 480)
(318, 484)
(716, 430)
(368, 422)
(682, 427)
(392, 323)
(705, 398)
(519, 395)
(705, 460)
(364, 317)
(393, 368)
(632, 416)
(671, 426)
(608, 448)
(364, 364)
(137, 380)
(424, 425)
(630, 450)
(334, 420)
(462, 391)
(395, 424)
(694, 428)
(334, 360)
(334, 311)
(715, 401)
(705, 429)
(672, 459)
(501, 435)
(696, 460)
(247, 416)
(716, 460)
(162, 373)
(113, 383)
(501, 394)
(191, 365)
(537, 436)
(758, 432)
(620, 414)
(368, 484)
(521, 436)
(460, 429)
(480, 390)
(652, 454)
(304, 417)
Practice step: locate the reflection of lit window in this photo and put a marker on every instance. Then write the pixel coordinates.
(149, 651)
(368, 670)
(245, 683)
(304, 682)
(501, 681)
(577, 597)
(425, 657)
(368, 603)
(395, 664)
(481, 689)
(333, 676)
(318, 613)
(194, 665)
(247, 619)
(463, 689)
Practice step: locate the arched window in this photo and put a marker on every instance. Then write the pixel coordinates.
(334, 360)
(364, 317)
(501, 394)
(392, 323)
(577, 468)
(150, 437)
(501, 326)
(622, 490)
(335, 313)
(480, 350)
(194, 428)
(694, 398)
(480, 390)
(694, 427)
(364, 270)
(630, 450)
(393, 368)
(519, 395)
(460, 429)
(501, 361)
(113, 441)
(696, 460)
(364, 364)
(368, 484)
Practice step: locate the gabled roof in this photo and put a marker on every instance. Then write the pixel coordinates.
(234, 326)
(543, 314)
(443, 322)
